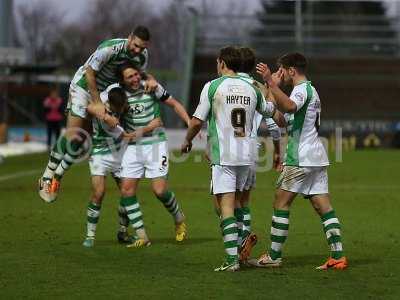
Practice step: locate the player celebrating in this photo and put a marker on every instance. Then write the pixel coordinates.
(305, 166)
(148, 156)
(247, 240)
(228, 103)
(106, 155)
(92, 78)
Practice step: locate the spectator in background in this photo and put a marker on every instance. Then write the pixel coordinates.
(53, 114)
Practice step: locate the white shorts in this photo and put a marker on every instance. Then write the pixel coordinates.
(251, 178)
(228, 179)
(148, 161)
(102, 164)
(78, 101)
(304, 180)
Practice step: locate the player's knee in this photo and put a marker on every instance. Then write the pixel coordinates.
(98, 195)
(127, 190)
(159, 191)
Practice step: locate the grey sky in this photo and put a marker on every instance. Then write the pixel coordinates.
(74, 8)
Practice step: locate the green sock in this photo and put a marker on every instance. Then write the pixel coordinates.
(123, 218)
(230, 235)
(332, 231)
(72, 153)
(171, 204)
(246, 221)
(56, 156)
(93, 214)
(279, 232)
(132, 208)
(239, 218)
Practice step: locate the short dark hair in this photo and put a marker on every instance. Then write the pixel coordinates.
(231, 56)
(295, 60)
(248, 58)
(117, 98)
(141, 32)
(121, 68)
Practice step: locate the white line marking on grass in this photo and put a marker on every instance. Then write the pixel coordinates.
(19, 174)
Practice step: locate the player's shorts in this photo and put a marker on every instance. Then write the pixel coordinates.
(148, 161)
(78, 101)
(103, 164)
(304, 180)
(251, 178)
(228, 179)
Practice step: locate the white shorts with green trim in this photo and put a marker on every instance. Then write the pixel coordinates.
(251, 178)
(145, 161)
(228, 179)
(103, 164)
(304, 180)
(78, 101)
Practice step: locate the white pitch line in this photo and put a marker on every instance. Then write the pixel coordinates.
(19, 174)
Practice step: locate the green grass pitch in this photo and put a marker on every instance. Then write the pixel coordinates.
(41, 256)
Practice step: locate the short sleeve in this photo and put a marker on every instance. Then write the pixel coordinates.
(204, 106)
(161, 93)
(100, 57)
(299, 96)
(114, 132)
(266, 108)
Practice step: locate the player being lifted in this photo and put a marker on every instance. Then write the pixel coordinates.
(106, 154)
(147, 156)
(228, 103)
(305, 166)
(92, 78)
(247, 239)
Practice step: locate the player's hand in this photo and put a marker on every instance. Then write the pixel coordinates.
(129, 136)
(264, 71)
(97, 109)
(110, 120)
(150, 85)
(277, 77)
(186, 147)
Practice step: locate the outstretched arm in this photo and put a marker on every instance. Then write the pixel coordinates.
(179, 109)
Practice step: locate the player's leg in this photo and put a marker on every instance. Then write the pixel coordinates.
(65, 150)
(239, 216)
(224, 186)
(76, 133)
(167, 198)
(229, 231)
(293, 180)
(130, 204)
(122, 233)
(94, 207)
(320, 200)
(248, 239)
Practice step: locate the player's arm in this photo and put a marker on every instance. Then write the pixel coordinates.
(275, 133)
(167, 99)
(268, 109)
(155, 123)
(91, 80)
(199, 116)
(179, 109)
(284, 103)
(195, 126)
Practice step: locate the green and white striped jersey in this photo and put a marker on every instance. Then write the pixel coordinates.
(229, 104)
(273, 129)
(105, 60)
(104, 138)
(304, 148)
(143, 108)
